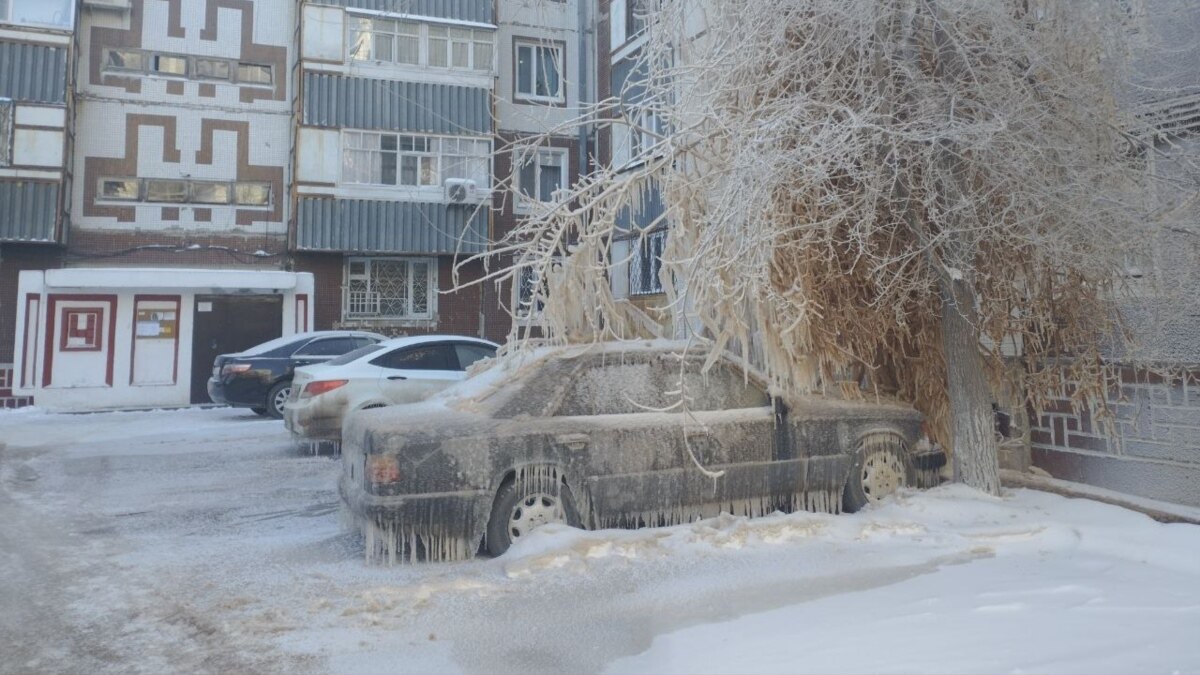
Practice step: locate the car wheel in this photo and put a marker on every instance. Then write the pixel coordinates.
(880, 468)
(259, 411)
(276, 398)
(520, 508)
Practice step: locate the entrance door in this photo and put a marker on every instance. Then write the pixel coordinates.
(225, 324)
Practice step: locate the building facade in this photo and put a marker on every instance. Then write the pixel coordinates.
(394, 137)
(174, 211)
(36, 57)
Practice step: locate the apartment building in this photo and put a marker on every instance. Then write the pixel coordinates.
(542, 88)
(393, 149)
(174, 214)
(35, 107)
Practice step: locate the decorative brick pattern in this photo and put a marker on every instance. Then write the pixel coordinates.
(7, 400)
(1154, 416)
(1150, 447)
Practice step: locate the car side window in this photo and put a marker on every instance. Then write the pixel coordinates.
(469, 354)
(360, 342)
(327, 347)
(421, 357)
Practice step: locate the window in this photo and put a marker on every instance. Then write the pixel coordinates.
(327, 347)
(120, 188)
(170, 65)
(252, 73)
(632, 143)
(644, 268)
(372, 158)
(541, 173)
(59, 13)
(166, 190)
(399, 288)
(210, 193)
(405, 42)
(539, 72)
(627, 18)
(532, 290)
(252, 194)
(6, 131)
(181, 191)
(469, 354)
(124, 59)
(423, 357)
(213, 69)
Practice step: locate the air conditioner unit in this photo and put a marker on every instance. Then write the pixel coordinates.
(459, 190)
(118, 5)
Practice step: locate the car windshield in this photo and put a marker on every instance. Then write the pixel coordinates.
(354, 355)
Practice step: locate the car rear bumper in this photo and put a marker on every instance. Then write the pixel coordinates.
(304, 425)
(240, 392)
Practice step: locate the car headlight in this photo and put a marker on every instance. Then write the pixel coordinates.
(383, 469)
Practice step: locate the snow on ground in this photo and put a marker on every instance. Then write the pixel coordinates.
(203, 541)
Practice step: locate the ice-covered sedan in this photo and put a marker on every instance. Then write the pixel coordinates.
(401, 370)
(598, 438)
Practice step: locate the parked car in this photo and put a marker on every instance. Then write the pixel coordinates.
(595, 439)
(401, 370)
(260, 378)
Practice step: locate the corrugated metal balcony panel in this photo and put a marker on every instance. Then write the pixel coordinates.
(27, 211)
(375, 226)
(458, 10)
(34, 73)
(420, 107)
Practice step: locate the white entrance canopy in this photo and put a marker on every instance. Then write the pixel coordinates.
(218, 281)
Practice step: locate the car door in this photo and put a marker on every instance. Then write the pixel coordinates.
(414, 372)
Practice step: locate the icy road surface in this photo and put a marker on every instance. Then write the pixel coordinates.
(202, 541)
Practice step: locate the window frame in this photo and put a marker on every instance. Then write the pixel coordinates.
(560, 60)
(6, 16)
(647, 261)
(189, 196)
(425, 155)
(426, 39)
(524, 201)
(368, 262)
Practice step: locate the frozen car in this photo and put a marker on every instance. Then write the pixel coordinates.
(401, 370)
(595, 439)
(260, 378)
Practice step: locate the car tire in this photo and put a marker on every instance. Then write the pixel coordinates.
(520, 508)
(881, 466)
(277, 397)
(260, 411)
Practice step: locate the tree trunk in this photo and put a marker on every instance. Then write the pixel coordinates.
(973, 441)
(975, 455)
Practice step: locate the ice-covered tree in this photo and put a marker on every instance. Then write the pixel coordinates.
(876, 195)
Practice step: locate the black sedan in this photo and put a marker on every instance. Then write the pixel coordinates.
(260, 378)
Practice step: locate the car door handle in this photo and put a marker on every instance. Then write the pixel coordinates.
(573, 441)
(397, 377)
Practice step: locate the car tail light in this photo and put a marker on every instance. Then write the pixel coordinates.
(320, 387)
(383, 469)
(230, 368)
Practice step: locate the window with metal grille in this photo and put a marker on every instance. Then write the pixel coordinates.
(644, 268)
(6, 131)
(388, 288)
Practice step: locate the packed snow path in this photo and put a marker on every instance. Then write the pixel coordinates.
(203, 541)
